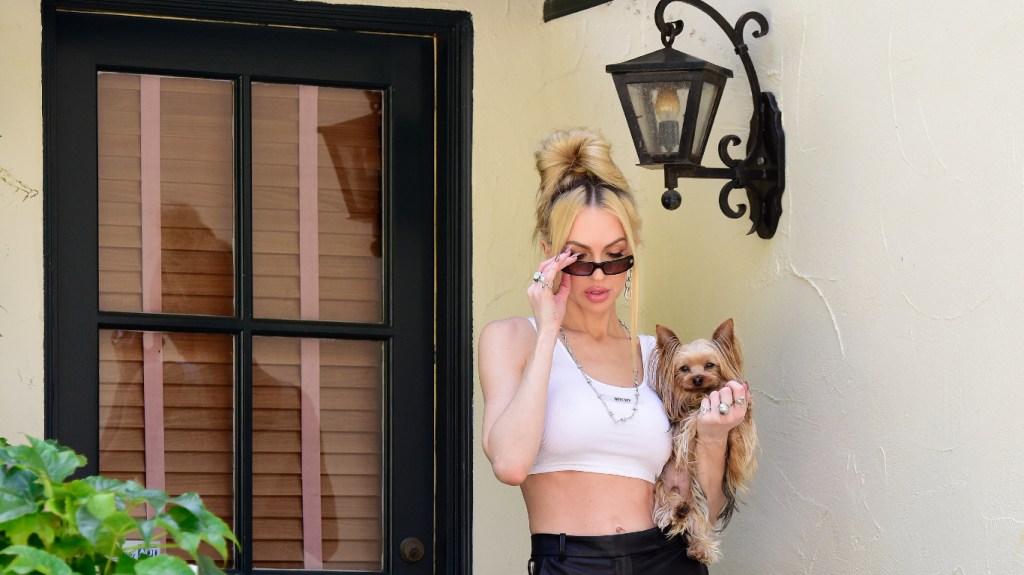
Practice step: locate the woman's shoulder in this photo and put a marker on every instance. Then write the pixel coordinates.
(508, 332)
(504, 346)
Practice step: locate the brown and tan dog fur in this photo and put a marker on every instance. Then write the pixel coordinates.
(686, 374)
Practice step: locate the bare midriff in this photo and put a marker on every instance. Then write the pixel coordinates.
(579, 503)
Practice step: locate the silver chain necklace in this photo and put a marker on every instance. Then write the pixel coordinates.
(636, 380)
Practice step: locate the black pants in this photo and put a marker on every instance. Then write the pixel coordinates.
(639, 553)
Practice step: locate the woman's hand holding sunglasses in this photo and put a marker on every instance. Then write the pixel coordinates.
(548, 305)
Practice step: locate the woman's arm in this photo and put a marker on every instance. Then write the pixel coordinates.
(515, 365)
(712, 438)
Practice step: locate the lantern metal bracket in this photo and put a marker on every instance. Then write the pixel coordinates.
(762, 171)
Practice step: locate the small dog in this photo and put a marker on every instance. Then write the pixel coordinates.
(686, 374)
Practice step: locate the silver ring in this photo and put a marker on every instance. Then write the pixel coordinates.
(741, 401)
(538, 277)
(723, 408)
(704, 409)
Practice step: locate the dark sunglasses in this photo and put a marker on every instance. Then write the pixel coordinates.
(610, 267)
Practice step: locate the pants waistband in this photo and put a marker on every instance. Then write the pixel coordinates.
(563, 545)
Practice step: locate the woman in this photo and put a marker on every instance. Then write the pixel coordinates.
(569, 413)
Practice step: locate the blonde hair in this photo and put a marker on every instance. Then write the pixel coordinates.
(577, 171)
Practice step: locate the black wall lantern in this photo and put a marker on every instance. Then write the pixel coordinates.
(670, 100)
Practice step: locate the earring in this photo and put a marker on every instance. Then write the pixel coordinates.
(628, 293)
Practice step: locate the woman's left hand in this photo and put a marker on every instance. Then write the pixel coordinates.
(712, 424)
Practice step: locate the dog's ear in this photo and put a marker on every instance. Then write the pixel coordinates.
(725, 339)
(665, 336)
(724, 335)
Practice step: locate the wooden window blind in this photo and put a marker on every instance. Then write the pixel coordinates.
(317, 418)
(166, 189)
(170, 425)
(317, 195)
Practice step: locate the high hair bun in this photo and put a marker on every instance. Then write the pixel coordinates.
(577, 172)
(568, 157)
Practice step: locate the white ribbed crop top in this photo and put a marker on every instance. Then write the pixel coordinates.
(580, 436)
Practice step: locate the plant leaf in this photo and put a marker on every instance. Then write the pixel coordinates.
(162, 565)
(42, 525)
(207, 566)
(146, 528)
(86, 564)
(188, 534)
(56, 461)
(190, 501)
(125, 564)
(80, 488)
(100, 483)
(101, 505)
(89, 525)
(169, 525)
(71, 546)
(120, 523)
(13, 505)
(131, 492)
(21, 481)
(32, 560)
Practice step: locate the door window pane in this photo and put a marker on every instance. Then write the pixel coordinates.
(166, 194)
(166, 413)
(317, 454)
(316, 175)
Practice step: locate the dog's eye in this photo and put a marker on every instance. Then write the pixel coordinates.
(709, 365)
(685, 368)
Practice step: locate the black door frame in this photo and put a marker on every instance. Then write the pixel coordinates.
(453, 36)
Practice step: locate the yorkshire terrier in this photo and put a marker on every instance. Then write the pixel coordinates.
(686, 374)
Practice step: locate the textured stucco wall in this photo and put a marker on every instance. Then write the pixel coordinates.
(882, 324)
(21, 221)
(873, 319)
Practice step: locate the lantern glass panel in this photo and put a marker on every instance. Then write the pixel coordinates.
(704, 115)
(659, 108)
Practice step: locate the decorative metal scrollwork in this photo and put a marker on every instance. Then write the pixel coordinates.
(761, 172)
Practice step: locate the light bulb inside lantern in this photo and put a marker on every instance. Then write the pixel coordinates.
(666, 112)
(666, 105)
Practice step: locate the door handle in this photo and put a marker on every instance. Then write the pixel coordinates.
(411, 550)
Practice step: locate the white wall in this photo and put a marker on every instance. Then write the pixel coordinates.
(21, 221)
(881, 325)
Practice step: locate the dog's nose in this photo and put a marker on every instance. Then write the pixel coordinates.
(698, 381)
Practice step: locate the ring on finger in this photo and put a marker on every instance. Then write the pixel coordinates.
(538, 277)
(741, 401)
(723, 408)
(704, 409)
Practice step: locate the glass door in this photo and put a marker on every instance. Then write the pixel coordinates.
(244, 242)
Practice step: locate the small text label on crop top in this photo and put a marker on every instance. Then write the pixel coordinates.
(623, 399)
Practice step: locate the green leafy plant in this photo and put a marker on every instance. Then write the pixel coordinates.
(56, 527)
